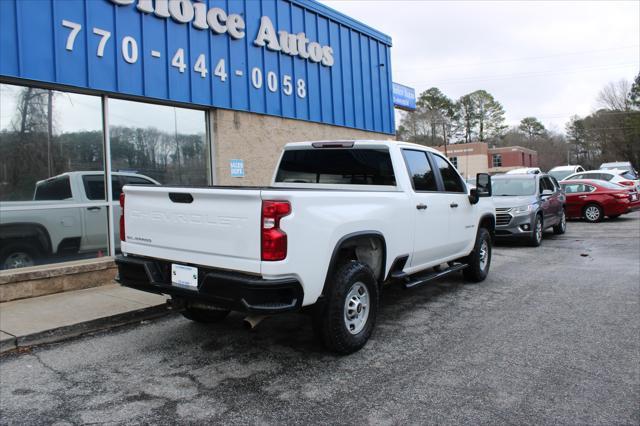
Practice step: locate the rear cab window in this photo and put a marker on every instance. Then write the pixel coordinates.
(352, 166)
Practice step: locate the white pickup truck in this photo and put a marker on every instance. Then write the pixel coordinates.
(340, 219)
(66, 218)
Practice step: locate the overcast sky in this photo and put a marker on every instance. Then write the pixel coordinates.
(542, 59)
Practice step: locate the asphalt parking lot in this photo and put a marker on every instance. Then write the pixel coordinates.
(552, 336)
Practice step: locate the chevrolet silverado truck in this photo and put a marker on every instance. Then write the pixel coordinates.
(67, 217)
(340, 219)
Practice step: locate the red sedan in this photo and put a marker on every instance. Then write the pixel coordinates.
(595, 199)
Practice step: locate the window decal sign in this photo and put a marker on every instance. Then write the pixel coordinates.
(237, 168)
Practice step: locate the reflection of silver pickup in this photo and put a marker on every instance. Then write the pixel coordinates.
(66, 218)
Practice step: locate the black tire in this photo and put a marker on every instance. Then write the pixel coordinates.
(330, 319)
(18, 254)
(561, 228)
(535, 239)
(592, 213)
(205, 316)
(478, 270)
(614, 216)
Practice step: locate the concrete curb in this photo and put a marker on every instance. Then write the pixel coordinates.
(76, 330)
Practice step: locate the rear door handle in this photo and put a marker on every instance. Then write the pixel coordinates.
(453, 205)
(421, 206)
(93, 208)
(582, 196)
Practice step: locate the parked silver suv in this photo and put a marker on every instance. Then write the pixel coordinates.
(528, 204)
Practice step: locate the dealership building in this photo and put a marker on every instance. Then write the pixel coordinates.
(96, 94)
(479, 157)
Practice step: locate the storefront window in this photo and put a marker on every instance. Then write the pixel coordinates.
(163, 143)
(50, 142)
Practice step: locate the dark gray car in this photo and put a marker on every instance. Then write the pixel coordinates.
(528, 204)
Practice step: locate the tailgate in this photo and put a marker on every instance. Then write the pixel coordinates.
(220, 227)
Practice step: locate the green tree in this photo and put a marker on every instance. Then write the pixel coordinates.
(489, 114)
(467, 117)
(430, 123)
(532, 128)
(479, 117)
(634, 93)
(439, 111)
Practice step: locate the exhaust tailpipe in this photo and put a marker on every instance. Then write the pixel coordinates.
(251, 321)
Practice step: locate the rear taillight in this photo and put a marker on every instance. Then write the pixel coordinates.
(627, 183)
(621, 195)
(274, 240)
(122, 236)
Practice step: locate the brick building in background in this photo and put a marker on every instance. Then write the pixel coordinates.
(477, 157)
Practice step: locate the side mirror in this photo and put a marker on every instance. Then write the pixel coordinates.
(546, 193)
(473, 196)
(483, 185)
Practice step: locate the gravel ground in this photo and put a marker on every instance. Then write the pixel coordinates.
(552, 336)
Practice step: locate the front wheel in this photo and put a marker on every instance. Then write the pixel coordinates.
(479, 260)
(561, 227)
(535, 239)
(347, 318)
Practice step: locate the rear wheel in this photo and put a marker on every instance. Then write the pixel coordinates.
(207, 315)
(561, 227)
(347, 318)
(479, 260)
(535, 239)
(593, 213)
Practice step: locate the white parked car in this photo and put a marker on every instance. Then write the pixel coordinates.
(339, 220)
(620, 165)
(62, 220)
(525, 171)
(561, 172)
(621, 177)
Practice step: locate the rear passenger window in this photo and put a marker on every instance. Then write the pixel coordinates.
(53, 189)
(450, 178)
(420, 171)
(94, 186)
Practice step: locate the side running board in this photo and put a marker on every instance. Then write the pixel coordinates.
(413, 281)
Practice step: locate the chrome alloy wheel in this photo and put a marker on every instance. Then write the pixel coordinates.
(18, 260)
(592, 213)
(538, 230)
(356, 308)
(484, 255)
(563, 222)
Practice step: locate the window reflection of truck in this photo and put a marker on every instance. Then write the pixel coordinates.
(43, 228)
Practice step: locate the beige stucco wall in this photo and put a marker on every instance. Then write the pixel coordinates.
(470, 165)
(258, 140)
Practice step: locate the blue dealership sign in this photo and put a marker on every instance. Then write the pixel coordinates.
(404, 97)
(290, 58)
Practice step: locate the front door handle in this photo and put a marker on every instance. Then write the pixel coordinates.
(453, 205)
(93, 208)
(421, 206)
(582, 196)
